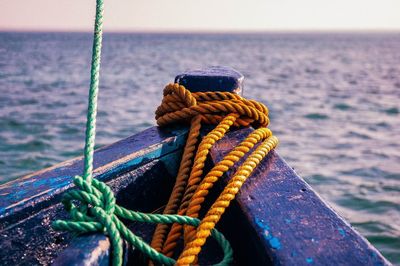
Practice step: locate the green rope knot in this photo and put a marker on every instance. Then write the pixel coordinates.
(97, 211)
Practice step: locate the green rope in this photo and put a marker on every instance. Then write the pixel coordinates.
(93, 91)
(104, 216)
(97, 210)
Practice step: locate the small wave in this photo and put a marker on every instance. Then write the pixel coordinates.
(33, 145)
(342, 106)
(372, 172)
(392, 111)
(316, 116)
(10, 123)
(358, 135)
(27, 101)
(373, 227)
(362, 203)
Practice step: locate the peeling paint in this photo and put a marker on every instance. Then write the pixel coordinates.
(342, 232)
(272, 240)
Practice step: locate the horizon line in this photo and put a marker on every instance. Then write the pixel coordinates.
(210, 31)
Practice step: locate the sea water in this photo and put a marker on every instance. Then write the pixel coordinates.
(334, 101)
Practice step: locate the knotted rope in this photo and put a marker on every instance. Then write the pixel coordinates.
(97, 210)
(225, 110)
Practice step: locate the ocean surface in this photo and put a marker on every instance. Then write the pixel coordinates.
(334, 101)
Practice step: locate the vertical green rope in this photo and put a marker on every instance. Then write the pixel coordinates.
(93, 92)
(104, 214)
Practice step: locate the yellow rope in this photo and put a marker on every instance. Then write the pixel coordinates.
(225, 110)
(180, 183)
(203, 231)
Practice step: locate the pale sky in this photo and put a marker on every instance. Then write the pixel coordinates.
(202, 15)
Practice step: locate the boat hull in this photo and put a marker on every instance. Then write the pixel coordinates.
(275, 219)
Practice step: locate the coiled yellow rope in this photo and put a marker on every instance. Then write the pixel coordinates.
(225, 110)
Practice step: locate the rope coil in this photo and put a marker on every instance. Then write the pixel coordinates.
(225, 110)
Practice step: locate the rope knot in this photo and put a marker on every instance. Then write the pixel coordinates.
(97, 211)
(95, 195)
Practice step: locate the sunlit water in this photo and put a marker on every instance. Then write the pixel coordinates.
(334, 101)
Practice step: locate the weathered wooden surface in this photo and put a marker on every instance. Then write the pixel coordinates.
(140, 167)
(276, 214)
(292, 224)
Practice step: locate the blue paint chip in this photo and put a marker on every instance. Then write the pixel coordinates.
(273, 241)
(309, 260)
(342, 232)
(288, 221)
(261, 224)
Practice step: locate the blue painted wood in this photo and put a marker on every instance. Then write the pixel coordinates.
(215, 78)
(29, 204)
(293, 225)
(33, 241)
(46, 186)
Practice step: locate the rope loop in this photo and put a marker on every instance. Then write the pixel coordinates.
(180, 105)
